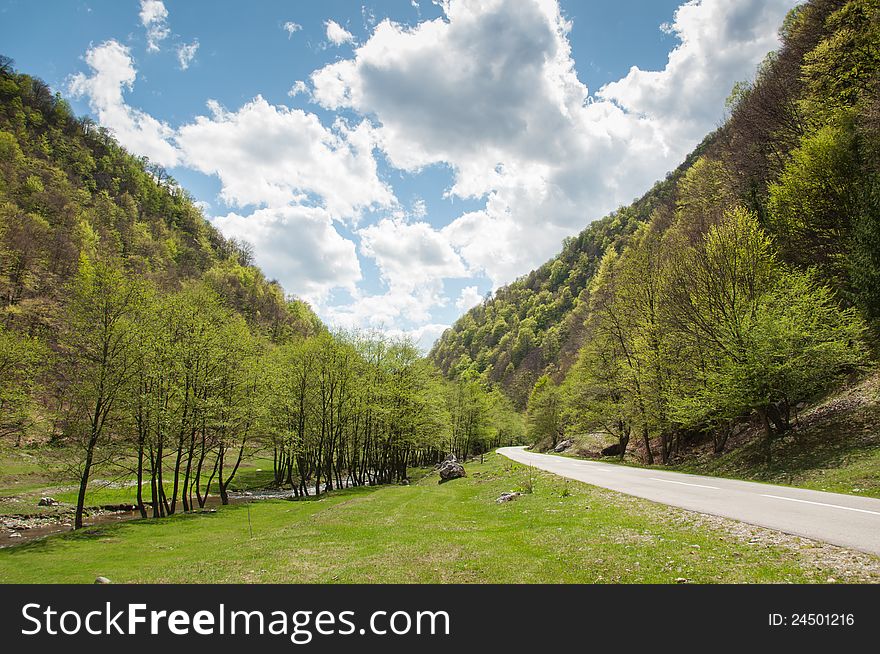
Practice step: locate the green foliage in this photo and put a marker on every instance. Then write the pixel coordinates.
(22, 360)
(545, 413)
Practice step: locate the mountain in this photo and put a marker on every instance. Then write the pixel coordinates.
(535, 324)
(66, 186)
(799, 149)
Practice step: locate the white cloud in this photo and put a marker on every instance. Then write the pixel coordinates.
(469, 298)
(491, 90)
(721, 42)
(337, 34)
(113, 71)
(423, 336)
(291, 28)
(153, 17)
(413, 259)
(299, 246)
(270, 155)
(186, 52)
(419, 208)
(299, 88)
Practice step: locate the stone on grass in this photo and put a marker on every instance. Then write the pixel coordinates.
(102, 580)
(451, 469)
(47, 501)
(507, 497)
(564, 445)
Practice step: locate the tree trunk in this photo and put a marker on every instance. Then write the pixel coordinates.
(649, 455)
(84, 482)
(140, 480)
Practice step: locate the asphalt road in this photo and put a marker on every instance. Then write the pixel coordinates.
(846, 520)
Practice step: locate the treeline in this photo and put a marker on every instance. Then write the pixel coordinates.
(759, 286)
(178, 386)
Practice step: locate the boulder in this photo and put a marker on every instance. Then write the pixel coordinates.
(564, 445)
(404, 482)
(612, 450)
(507, 497)
(47, 501)
(102, 580)
(451, 469)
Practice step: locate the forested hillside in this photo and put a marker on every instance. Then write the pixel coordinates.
(536, 323)
(136, 340)
(792, 174)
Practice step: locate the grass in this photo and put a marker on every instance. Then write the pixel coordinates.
(562, 532)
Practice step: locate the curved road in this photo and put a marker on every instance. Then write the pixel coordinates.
(845, 520)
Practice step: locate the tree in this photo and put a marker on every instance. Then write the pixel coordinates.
(767, 336)
(21, 361)
(100, 350)
(545, 412)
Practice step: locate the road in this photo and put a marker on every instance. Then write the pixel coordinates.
(845, 520)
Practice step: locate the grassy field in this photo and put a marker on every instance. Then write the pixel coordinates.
(561, 532)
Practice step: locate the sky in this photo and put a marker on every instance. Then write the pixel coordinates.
(394, 162)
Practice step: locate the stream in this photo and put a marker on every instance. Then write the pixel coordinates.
(17, 530)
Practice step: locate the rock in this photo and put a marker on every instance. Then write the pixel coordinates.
(612, 450)
(404, 482)
(15, 534)
(47, 501)
(564, 445)
(103, 580)
(507, 497)
(451, 469)
(681, 580)
(118, 507)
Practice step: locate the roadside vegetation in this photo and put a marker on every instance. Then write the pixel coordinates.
(560, 532)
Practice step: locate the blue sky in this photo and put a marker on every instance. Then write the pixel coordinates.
(392, 162)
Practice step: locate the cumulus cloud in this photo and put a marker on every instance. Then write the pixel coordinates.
(423, 336)
(413, 259)
(299, 88)
(299, 246)
(721, 42)
(186, 52)
(468, 299)
(337, 34)
(272, 155)
(154, 18)
(491, 89)
(113, 71)
(410, 254)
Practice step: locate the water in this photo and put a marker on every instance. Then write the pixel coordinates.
(43, 526)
